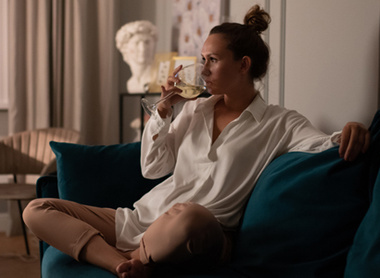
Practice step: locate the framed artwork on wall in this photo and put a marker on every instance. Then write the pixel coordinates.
(183, 60)
(162, 66)
(192, 21)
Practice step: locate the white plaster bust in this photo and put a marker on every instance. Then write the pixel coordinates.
(137, 43)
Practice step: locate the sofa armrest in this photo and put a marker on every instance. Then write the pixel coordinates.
(47, 187)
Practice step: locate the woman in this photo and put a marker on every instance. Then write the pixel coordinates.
(216, 149)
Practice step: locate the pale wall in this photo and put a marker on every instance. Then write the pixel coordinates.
(325, 58)
(332, 60)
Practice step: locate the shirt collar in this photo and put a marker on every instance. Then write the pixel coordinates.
(208, 103)
(257, 107)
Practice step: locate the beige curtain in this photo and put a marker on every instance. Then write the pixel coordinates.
(64, 66)
(28, 64)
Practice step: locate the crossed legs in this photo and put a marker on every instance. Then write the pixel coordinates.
(85, 233)
(186, 234)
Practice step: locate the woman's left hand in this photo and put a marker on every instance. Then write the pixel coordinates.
(355, 139)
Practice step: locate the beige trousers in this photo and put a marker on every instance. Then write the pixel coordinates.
(186, 234)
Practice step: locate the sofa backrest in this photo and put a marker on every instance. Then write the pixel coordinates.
(304, 213)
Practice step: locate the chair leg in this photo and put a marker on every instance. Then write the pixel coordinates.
(23, 228)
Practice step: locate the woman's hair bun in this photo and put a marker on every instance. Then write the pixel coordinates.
(257, 18)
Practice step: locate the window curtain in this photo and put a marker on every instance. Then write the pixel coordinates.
(63, 66)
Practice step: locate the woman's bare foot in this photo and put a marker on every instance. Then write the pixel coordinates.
(131, 269)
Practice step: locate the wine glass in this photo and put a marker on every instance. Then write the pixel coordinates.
(191, 83)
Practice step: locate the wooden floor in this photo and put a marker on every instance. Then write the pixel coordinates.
(14, 263)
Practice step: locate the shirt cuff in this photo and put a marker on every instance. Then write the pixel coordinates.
(336, 136)
(158, 124)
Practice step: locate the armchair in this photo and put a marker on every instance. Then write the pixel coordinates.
(26, 153)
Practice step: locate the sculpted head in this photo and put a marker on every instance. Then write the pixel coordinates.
(137, 42)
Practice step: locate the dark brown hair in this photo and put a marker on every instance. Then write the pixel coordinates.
(245, 40)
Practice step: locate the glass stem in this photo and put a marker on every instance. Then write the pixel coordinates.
(165, 98)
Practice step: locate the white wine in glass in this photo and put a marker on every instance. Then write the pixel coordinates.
(189, 91)
(191, 83)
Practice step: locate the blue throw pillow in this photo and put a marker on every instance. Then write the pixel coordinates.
(105, 176)
(302, 216)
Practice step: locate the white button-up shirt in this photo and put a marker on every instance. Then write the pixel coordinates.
(221, 175)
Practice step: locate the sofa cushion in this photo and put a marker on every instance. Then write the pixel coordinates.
(302, 216)
(105, 176)
(56, 264)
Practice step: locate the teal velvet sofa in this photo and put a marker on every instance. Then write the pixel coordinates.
(310, 215)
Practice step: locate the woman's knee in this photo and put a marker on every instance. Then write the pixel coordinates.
(32, 212)
(200, 228)
(196, 218)
(186, 231)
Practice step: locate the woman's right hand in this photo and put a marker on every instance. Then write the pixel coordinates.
(164, 108)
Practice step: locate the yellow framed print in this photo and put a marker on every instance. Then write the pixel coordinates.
(161, 70)
(183, 60)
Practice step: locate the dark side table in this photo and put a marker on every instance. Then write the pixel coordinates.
(121, 110)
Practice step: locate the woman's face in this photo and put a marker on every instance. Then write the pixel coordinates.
(221, 70)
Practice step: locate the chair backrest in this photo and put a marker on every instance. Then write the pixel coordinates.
(29, 152)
